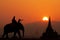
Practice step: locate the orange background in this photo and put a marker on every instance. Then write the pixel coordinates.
(29, 10)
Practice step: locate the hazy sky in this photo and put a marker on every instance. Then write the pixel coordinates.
(29, 10)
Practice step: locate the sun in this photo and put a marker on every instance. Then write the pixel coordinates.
(45, 19)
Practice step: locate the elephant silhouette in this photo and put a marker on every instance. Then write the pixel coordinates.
(9, 28)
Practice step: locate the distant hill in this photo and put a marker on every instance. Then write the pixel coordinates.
(37, 28)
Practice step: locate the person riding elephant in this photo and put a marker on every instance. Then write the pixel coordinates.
(13, 27)
(14, 20)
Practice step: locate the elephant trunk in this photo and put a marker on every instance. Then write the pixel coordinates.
(23, 33)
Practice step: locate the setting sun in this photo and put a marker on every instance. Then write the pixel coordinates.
(45, 18)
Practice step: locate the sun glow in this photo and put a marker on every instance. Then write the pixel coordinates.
(45, 19)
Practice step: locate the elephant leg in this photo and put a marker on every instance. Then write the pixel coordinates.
(3, 35)
(14, 34)
(19, 34)
(7, 35)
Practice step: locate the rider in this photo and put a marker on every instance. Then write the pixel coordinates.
(19, 21)
(14, 21)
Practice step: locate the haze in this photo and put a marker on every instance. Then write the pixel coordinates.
(28, 10)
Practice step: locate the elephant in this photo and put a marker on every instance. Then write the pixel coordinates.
(9, 28)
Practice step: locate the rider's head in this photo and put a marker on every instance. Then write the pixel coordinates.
(19, 20)
(14, 17)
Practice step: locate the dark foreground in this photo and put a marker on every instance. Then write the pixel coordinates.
(19, 39)
(25, 39)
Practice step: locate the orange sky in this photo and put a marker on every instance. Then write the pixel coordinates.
(29, 10)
